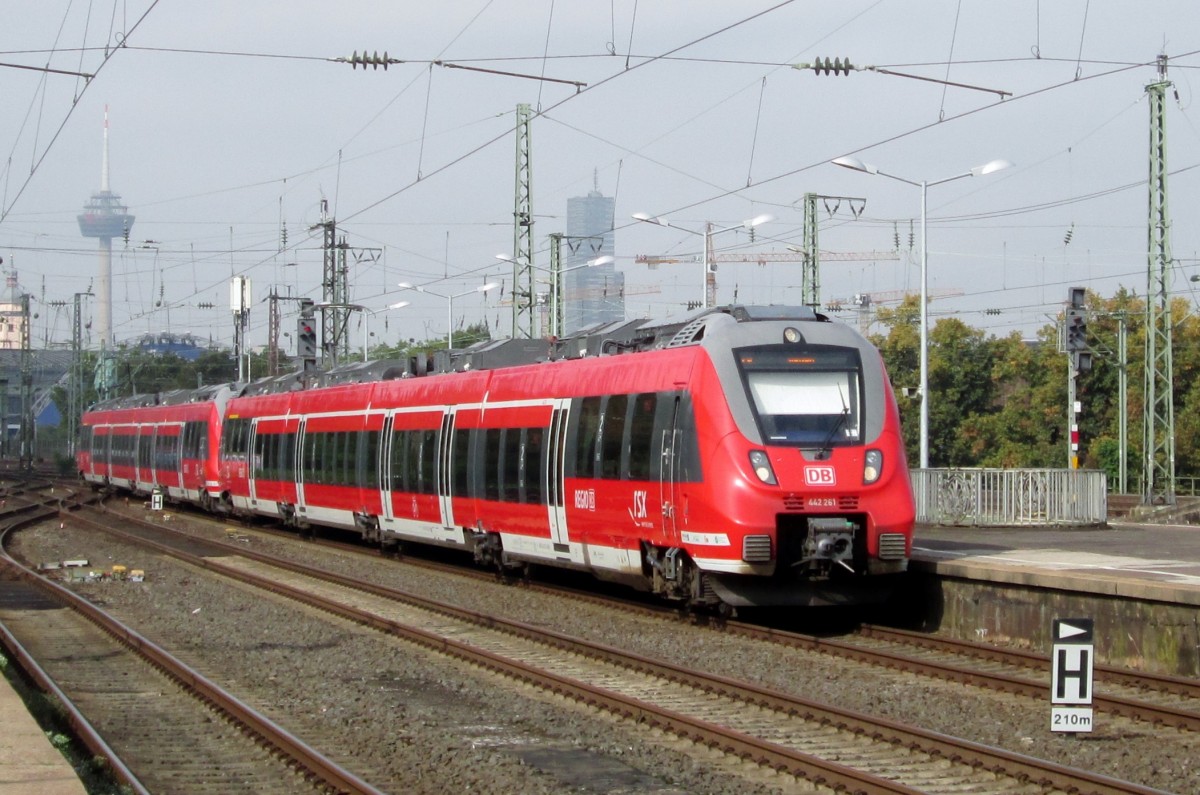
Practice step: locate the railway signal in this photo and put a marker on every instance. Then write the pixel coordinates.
(306, 336)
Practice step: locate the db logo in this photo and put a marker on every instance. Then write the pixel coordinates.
(820, 476)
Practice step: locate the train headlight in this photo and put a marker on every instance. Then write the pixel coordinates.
(792, 335)
(762, 467)
(872, 466)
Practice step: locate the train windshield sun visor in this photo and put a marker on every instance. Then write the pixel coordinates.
(812, 399)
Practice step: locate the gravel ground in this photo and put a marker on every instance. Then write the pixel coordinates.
(424, 724)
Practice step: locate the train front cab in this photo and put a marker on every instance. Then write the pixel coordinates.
(805, 464)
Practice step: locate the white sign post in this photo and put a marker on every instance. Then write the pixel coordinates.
(1071, 675)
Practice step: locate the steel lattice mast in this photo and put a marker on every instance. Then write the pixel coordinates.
(1158, 481)
(523, 295)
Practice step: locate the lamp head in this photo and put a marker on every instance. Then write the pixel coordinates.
(651, 219)
(605, 260)
(854, 164)
(990, 168)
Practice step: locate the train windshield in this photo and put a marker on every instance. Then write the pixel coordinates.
(804, 397)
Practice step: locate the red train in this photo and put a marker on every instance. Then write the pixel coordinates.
(738, 456)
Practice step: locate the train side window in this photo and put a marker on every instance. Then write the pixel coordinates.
(493, 463)
(308, 469)
(259, 458)
(687, 451)
(533, 465)
(586, 436)
(316, 446)
(612, 433)
(418, 462)
(279, 457)
(412, 462)
(641, 436)
(369, 450)
(337, 467)
(400, 460)
(429, 454)
(350, 470)
(461, 465)
(420, 459)
(287, 456)
(514, 463)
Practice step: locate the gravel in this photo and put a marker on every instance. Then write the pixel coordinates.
(410, 721)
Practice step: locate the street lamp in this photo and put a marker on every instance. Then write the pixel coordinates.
(365, 313)
(483, 288)
(556, 297)
(854, 164)
(708, 233)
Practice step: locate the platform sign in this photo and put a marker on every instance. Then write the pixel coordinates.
(1071, 675)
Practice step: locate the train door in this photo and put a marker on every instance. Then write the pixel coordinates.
(445, 471)
(553, 485)
(385, 467)
(254, 462)
(155, 458)
(141, 445)
(298, 462)
(669, 474)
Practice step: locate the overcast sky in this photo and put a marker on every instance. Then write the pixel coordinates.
(230, 122)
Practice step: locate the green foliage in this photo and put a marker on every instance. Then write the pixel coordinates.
(1002, 401)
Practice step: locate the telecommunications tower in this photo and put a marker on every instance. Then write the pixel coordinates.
(104, 217)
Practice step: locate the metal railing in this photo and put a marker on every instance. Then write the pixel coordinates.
(1010, 497)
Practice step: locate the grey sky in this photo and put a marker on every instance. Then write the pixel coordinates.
(227, 125)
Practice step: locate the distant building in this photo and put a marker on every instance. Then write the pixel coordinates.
(596, 295)
(12, 317)
(185, 346)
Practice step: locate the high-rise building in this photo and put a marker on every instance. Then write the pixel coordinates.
(591, 295)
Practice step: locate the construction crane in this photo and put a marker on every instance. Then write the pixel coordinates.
(865, 301)
(764, 257)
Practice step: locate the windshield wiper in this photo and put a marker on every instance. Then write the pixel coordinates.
(826, 448)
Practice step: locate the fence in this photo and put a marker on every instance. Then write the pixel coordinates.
(1010, 497)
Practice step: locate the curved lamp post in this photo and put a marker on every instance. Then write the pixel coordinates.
(483, 288)
(556, 297)
(854, 164)
(365, 312)
(708, 233)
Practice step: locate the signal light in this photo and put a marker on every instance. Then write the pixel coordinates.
(1076, 330)
(306, 339)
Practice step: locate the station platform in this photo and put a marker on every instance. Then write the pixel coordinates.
(1148, 562)
(28, 762)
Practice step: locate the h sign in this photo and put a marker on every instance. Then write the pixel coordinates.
(1071, 675)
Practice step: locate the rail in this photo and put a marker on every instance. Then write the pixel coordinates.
(1010, 497)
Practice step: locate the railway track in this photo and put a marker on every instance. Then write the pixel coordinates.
(160, 724)
(1140, 696)
(834, 747)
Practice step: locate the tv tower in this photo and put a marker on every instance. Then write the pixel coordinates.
(104, 217)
